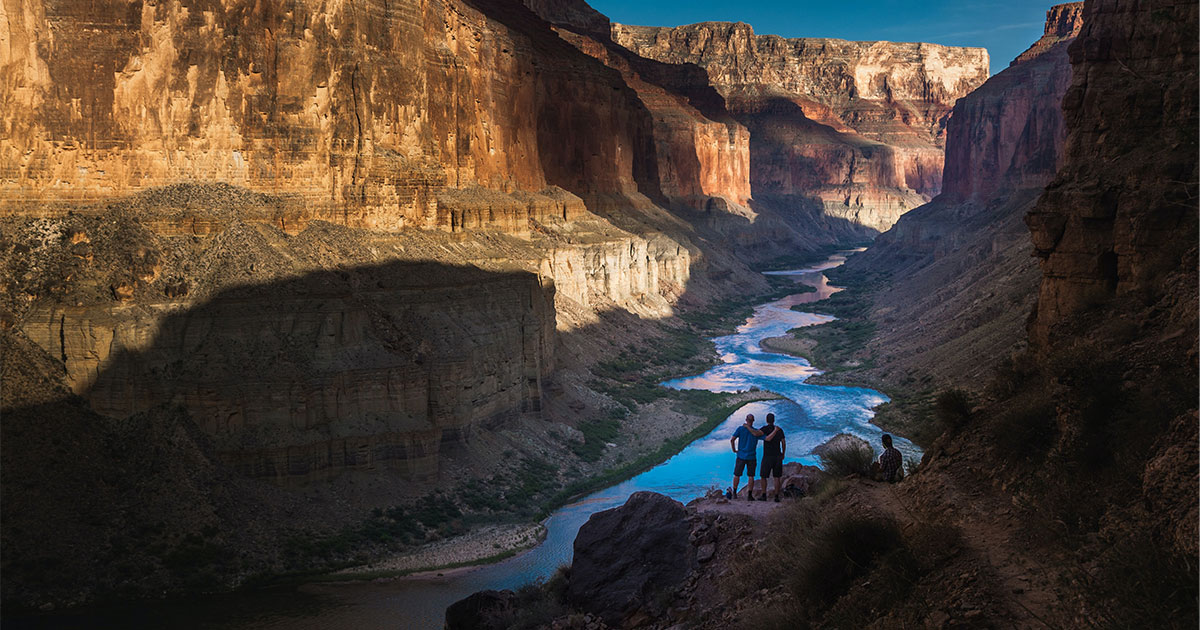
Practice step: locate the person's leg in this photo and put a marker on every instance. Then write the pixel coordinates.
(738, 465)
(762, 484)
(778, 483)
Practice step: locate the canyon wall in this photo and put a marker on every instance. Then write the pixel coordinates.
(473, 118)
(304, 355)
(855, 126)
(961, 275)
(364, 111)
(1120, 217)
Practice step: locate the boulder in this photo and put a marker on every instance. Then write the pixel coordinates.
(478, 611)
(842, 441)
(805, 479)
(626, 555)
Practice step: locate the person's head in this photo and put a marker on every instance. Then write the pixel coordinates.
(749, 419)
(770, 418)
(887, 441)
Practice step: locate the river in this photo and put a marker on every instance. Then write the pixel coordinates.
(809, 414)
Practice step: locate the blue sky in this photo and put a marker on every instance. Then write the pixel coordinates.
(1004, 27)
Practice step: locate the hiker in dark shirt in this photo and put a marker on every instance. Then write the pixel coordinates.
(745, 443)
(774, 448)
(890, 461)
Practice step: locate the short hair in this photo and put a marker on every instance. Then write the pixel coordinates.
(887, 440)
(750, 417)
(771, 417)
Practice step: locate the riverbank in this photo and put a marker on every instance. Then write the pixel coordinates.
(842, 350)
(665, 419)
(482, 546)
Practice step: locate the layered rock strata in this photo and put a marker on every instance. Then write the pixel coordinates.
(962, 263)
(301, 356)
(364, 111)
(857, 126)
(1121, 215)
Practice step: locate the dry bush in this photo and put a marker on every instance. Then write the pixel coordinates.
(952, 408)
(848, 459)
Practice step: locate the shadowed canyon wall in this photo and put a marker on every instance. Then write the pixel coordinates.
(1116, 237)
(856, 126)
(961, 274)
(1120, 217)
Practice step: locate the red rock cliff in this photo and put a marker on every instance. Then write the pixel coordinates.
(857, 126)
(968, 277)
(1010, 135)
(332, 102)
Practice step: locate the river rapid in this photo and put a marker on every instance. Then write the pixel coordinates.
(809, 414)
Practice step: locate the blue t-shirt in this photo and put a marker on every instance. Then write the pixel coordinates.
(747, 446)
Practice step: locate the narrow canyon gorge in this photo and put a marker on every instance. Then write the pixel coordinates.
(291, 287)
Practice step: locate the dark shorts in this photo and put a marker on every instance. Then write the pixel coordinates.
(771, 466)
(748, 464)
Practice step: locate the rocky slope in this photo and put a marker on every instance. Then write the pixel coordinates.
(425, 292)
(856, 127)
(960, 275)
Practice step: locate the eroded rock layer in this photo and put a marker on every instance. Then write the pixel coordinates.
(968, 278)
(1115, 220)
(364, 110)
(858, 126)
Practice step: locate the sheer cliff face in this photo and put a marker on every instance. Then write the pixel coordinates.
(858, 126)
(1120, 218)
(1010, 135)
(965, 258)
(371, 107)
(467, 117)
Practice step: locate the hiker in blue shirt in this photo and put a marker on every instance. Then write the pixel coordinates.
(745, 443)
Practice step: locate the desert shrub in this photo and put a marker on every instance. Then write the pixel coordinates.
(1138, 584)
(1026, 428)
(839, 551)
(952, 407)
(843, 460)
(596, 434)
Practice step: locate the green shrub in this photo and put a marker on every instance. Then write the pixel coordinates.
(596, 434)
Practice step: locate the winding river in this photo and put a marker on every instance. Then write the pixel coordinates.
(810, 415)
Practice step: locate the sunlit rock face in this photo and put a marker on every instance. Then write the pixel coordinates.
(1121, 215)
(1010, 135)
(365, 110)
(469, 118)
(858, 126)
(1003, 138)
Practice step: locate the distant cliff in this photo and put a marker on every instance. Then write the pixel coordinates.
(962, 278)
(856, 126)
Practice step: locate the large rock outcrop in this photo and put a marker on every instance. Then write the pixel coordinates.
(1121, 215)
(856, 126)
(961, 265)
(627, 555)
